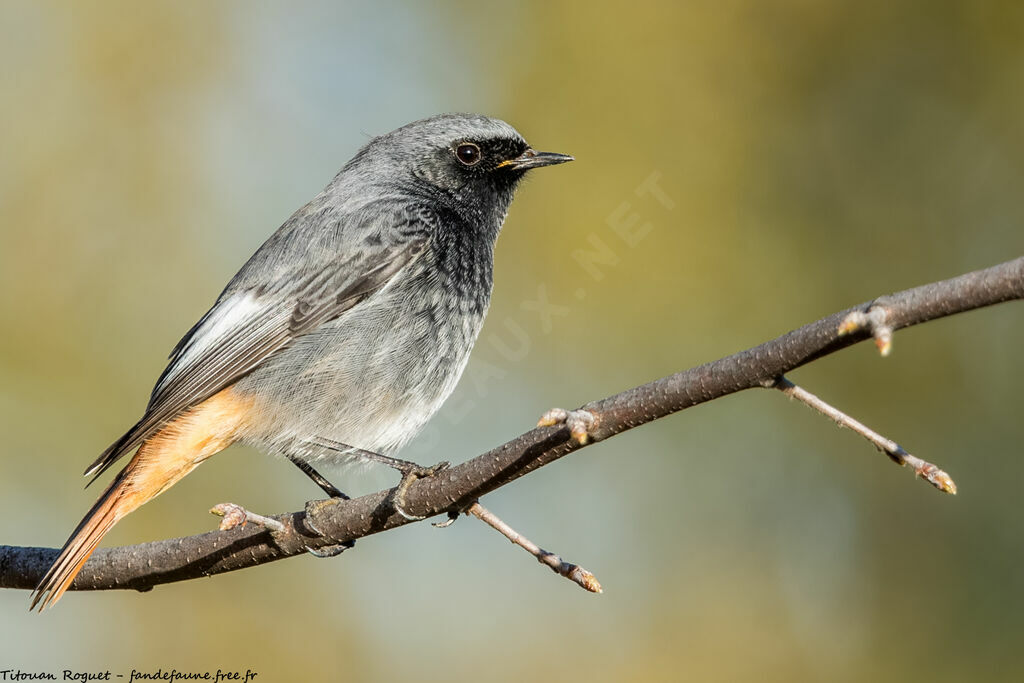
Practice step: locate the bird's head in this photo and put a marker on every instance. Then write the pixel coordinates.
(469, 162)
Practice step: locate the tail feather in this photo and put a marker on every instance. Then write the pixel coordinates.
(161, 461)
(142, 430)
(83, 541)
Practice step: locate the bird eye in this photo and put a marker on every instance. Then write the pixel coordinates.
(468, 153)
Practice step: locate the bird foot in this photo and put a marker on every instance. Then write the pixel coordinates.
(328, 550)
(331, 550)
(410, 473)
(452, 516)
(579, 422)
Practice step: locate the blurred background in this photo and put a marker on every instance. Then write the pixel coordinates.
(808, 156)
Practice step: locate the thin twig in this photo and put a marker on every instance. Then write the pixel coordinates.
(922, 468)
(235, 515)
(573, 572)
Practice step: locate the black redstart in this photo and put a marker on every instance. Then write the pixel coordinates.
(343, 334)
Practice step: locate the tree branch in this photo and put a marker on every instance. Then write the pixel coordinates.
(329, 523)
(922, 468)
(573, 572)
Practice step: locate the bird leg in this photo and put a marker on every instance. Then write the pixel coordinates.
(332, 491)
(328, 488)
(410, 471)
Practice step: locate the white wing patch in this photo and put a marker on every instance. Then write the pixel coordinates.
(224, 319)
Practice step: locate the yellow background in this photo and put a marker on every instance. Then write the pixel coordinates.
(816, 154)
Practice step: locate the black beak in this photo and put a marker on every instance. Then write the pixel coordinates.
(532, 159)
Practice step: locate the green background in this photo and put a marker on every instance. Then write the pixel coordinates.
(816, 154)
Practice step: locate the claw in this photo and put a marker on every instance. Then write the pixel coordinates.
(452, 516)
(409, 475)
(579, 422)
(331, 550)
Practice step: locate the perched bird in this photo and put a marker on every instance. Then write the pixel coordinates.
(343, 334)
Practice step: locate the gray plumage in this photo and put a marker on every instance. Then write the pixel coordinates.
(344, 332)
(354, 321)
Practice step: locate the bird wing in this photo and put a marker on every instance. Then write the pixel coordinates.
(251, 321)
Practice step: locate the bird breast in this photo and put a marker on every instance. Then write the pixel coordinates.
(372, 378)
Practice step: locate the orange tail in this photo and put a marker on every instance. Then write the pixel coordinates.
(160, 462)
